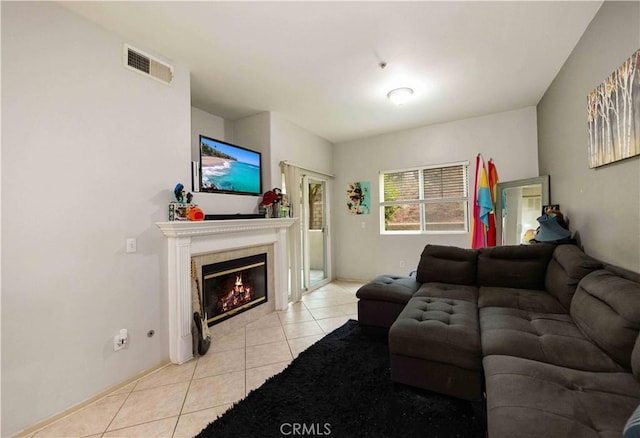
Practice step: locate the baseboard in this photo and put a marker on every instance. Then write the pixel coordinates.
(44, 423)
(352, 280)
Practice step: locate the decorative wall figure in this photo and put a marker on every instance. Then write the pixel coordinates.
(358, 197)
(613, 114)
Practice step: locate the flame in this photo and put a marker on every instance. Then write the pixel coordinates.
(238, 296)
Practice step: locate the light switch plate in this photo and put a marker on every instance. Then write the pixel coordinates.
(132, 245)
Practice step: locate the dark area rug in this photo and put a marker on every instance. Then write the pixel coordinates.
(341, 387)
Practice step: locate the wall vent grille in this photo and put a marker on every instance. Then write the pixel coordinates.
(143, 63)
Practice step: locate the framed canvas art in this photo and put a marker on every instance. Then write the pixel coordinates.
(613, 115)
(358, 201)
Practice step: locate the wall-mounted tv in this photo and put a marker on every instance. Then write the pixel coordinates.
(227, 168)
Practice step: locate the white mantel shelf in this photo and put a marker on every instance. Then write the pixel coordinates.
(206, 228)
(185, 239)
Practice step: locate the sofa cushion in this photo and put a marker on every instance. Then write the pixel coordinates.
(566, 268)
(522, 266)
(546, 337)
(606, 308)
(447, 264)
(523, 299)
(390, 288)
(452, 291)
(526, 398)
(624, 273)
(439, 330)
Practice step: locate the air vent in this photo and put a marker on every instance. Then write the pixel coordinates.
(145, 64)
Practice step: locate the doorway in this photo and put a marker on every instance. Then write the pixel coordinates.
(315, 233)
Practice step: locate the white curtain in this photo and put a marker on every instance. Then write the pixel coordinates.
(292, 183)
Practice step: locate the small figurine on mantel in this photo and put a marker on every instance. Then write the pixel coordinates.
(182, 209)
(270, 204)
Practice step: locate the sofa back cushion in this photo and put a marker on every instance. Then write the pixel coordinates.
(516, 266)
(447, 264)
(606, 308)
(567, 267)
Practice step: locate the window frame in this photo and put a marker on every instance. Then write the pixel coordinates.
(423, 202)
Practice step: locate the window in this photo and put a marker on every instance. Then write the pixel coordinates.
(429, 199)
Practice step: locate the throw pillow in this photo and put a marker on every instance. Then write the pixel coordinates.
(632, 428)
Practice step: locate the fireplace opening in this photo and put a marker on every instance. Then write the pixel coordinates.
(234, 286)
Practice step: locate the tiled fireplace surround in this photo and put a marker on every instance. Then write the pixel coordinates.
(228, 238)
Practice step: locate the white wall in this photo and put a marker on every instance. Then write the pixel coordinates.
(361, 252)
(292, 143)
(91, 152)
(207, 124)
(603, 204)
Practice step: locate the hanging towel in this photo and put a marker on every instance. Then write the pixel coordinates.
(493, 189)
(481, 206)
(484, 198)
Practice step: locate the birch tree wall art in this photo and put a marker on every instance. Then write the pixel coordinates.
(613, 112)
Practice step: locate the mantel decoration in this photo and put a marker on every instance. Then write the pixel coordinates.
(182, 209)
(274, 204)
(613, 113)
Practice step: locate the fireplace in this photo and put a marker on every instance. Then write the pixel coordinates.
(216, 241)
(234, 286)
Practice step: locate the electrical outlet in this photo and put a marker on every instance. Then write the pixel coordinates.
(121, 340)
(117, 343)
(402, 263)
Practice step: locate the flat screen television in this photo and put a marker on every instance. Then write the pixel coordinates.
(228, 168)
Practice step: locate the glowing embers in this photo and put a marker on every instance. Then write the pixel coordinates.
(234, 286)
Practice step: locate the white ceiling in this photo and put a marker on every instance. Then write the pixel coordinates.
(316, 63)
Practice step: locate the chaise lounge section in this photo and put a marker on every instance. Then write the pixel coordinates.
(547, 332)
(451, 363)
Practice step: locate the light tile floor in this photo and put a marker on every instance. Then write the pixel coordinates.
(180, 400)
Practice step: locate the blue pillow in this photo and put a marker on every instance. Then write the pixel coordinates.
(632, 428)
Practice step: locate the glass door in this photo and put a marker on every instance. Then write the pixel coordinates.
(315, 232)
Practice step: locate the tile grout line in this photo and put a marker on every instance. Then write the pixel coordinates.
(136, 425)
(245, 361)
(287, 339)
(184, 400)
(106, 429)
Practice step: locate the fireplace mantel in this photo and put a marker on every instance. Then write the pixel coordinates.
(185, 239)
(206, 228)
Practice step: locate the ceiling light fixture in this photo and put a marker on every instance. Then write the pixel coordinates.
(400, 96)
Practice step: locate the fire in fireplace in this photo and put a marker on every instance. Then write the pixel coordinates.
(234, 286)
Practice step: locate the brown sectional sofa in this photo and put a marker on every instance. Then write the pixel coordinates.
(549, 334)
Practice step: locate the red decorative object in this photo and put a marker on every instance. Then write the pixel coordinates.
(195, 214)
(269, 198)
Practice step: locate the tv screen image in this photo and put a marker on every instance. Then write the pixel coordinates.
(227, 168)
